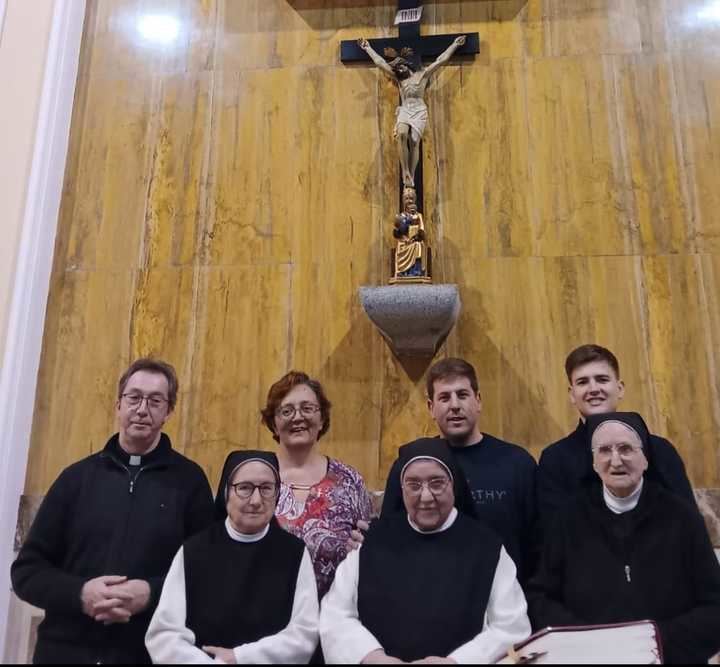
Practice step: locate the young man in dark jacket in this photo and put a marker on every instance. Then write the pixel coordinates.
(596, 388)
(108, 528)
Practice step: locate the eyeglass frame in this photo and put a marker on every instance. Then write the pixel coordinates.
(295, 409)
(144, 397)
(426, 484)
(259, 487)
(630, 450)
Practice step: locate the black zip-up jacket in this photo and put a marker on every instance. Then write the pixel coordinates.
(654, 562)
(103, 517)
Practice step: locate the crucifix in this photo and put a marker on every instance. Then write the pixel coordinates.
(407, 52)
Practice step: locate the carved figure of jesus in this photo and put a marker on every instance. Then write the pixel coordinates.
(412, 113)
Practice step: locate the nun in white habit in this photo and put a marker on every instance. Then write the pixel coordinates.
(242, 591)
(430, 583)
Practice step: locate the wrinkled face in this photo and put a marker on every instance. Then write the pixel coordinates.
(618, 457)
(456, 408)
(595, 389)
(142, 422)
(251, 514)
(428, 494)
(301, 427)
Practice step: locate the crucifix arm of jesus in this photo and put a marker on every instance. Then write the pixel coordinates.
(445, 55)
(376, 57)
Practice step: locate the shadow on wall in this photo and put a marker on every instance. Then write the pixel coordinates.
(504, 390)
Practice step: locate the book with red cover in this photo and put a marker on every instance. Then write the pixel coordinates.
(618, 643)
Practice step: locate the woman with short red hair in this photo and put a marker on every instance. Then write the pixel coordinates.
(321, 499)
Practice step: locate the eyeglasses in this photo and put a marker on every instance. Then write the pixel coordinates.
(624, 450)
(436, 486)
(289, 411)
(154, 401)
(245, 489)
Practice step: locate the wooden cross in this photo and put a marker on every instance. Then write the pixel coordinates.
(424, 47)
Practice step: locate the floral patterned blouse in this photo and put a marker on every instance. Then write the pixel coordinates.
(326, 517)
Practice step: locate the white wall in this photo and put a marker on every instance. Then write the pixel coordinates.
(39, 51)
(24, 36)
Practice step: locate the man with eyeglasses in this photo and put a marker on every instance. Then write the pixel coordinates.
(595, 388)
(108, 529)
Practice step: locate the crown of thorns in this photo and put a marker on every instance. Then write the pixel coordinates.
(405, 52)
(403, 59)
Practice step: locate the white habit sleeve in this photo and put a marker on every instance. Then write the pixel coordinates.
(506, 621)
(168, 639)
(345, 640)
(296, 642)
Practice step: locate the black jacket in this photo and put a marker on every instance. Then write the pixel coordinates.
(566, 465)
(654, 562)
(101, 517)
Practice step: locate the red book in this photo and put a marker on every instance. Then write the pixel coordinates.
(620, 643)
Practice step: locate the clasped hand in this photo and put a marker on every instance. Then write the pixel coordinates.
(114, 599)
(379, 657)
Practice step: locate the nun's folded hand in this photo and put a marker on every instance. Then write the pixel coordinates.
(379, 657)
(226, 655)
(434, 660)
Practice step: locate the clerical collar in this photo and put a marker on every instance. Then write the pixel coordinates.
(244, 537)
(448, 522)
(622, 505)
(157, 454)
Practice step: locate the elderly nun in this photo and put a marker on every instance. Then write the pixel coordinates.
(626, 549)
(429, 582)
(242, 591)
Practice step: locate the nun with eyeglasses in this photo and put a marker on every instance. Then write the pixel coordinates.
(243, 591)
(626, 549)
(430, 583)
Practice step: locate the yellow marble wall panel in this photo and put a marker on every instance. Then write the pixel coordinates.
(690, 24)
(584, 27)
(252, 175)
(479, 144)
(162, 324)
(86, 348)
(335, 342)
(104, 206)
(698, 108)
(176, 199)
(655, 313)
(404, 414)
(576, 183)
(497, 23)
(288, 34)
(684, 340)
(136, 38)
(226, 195)
(240, 346)
(651, 147)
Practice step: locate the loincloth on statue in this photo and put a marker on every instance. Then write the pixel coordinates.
(415, 116)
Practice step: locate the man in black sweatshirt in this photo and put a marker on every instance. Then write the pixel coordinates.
(596, 388)
(501, 476)
(108, 529)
